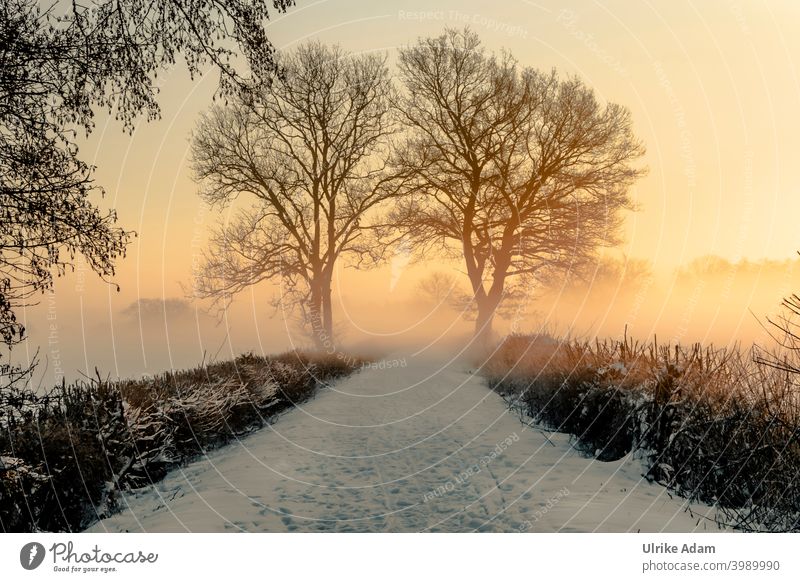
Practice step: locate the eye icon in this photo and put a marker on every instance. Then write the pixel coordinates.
(31, 555)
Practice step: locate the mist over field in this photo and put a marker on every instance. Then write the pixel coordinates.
(710, 300)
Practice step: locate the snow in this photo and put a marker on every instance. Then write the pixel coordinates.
(420, 447)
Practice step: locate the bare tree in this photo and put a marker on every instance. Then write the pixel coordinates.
(310, 154)
(514, 169)
(441, 289)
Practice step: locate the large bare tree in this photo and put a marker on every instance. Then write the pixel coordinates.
(309, 153)
(517, 171)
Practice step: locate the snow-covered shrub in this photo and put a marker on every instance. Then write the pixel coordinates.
(522, 356)
(64, 456)
(69, 443)
(178, 415)
(20, 484)
(713, 425)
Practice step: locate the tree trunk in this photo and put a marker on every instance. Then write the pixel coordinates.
(485, 319)
(483, 327)
(327, 314)
(489, 301)
(316, 317)
(321, 313)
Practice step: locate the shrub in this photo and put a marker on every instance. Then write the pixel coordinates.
(716, 426)
(68, 445)
(65, 455)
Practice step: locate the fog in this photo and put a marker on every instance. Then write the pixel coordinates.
(85, 324)
(710, 300)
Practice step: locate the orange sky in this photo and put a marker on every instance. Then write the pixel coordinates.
(713, 87)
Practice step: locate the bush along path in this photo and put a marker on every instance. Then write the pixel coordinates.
(714, 426)
(67, 459)
(412, 445)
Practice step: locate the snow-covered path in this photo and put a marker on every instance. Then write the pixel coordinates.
(416, 447)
